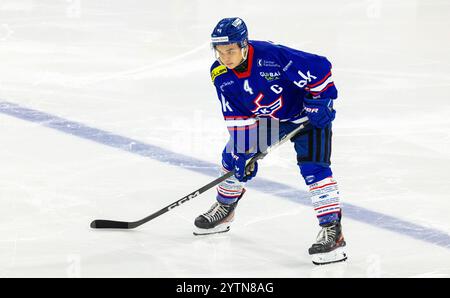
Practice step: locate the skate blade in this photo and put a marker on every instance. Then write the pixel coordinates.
(335, 256)
(218, 229)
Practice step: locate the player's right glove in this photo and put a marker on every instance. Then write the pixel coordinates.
(319, 111)
(241, 172)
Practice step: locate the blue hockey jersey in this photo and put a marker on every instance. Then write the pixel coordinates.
(274, 85)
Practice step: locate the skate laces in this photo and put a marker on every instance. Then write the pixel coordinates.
(217, 212)
(326, 235)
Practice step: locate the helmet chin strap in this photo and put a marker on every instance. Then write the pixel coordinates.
(244, 52)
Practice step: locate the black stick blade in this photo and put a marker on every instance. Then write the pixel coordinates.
(109, 224)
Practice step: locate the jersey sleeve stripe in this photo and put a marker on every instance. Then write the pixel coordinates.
(323, 90)
(321, 86)
(321, 81)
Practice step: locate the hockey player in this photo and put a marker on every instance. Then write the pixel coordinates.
(255, 81)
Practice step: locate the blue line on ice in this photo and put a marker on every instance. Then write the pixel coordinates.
(373, 218)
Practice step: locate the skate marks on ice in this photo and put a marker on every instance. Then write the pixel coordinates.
(354, 212)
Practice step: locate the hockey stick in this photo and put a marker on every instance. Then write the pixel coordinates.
(112, 224)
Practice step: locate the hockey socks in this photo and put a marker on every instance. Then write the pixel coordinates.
(325, 200)
(330, 244)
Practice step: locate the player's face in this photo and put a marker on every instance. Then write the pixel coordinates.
(230, 55)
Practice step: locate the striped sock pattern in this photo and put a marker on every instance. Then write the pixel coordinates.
(325, 200)
(229, 190)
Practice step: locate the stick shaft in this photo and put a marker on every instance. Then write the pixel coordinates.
(112, 224)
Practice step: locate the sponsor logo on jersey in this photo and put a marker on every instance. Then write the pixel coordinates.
(267, 63)
(225, 104)
(221, 69)
(227, 83)
(287, 66)
(270, 76)
(306, 79)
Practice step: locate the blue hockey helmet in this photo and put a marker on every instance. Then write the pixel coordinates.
(228, 31)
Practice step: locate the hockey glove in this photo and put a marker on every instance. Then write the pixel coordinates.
(319, 111)
(241, 172)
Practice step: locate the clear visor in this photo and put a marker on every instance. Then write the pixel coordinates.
(229, 52)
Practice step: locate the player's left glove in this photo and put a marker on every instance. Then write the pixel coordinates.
(241, 172)
(319, 111)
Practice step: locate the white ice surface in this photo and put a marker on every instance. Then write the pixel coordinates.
(139, 69)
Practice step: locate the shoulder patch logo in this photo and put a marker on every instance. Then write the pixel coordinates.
(221, 69)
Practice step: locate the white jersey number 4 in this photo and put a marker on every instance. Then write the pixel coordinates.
(247, 87)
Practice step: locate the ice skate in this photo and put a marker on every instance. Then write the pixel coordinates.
(217, 220)
(329, 246)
